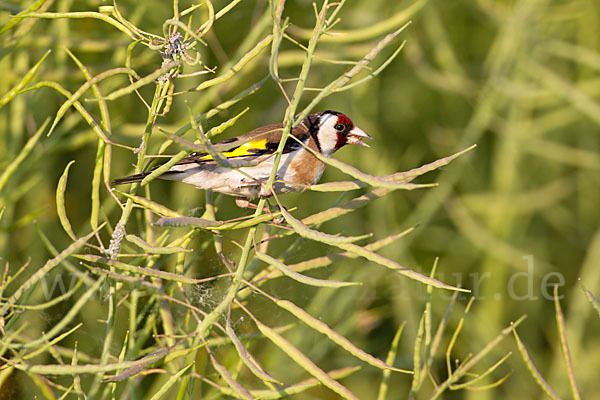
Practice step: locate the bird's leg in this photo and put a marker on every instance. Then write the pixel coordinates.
(263, 193)
(245, 203)
(273, 209)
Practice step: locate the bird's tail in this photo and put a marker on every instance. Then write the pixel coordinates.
(130, 179)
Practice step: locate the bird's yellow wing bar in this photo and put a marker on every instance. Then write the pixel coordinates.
(246, 149)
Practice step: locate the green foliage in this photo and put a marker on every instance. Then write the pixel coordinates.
(157, 291)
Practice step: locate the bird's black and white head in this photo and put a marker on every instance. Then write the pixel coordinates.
(332, 130)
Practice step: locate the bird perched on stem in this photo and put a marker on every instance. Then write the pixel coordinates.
(251, 157)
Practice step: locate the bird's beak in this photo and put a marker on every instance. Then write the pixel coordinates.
(356, 135)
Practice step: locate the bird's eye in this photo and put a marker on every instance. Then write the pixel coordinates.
(339, 127)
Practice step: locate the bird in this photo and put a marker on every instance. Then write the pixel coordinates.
(323, 132)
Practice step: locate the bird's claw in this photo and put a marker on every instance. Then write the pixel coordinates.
(263, 192)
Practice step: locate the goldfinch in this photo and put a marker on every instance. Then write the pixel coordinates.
(323, 132)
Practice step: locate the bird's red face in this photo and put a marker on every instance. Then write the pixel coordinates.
(336, 130)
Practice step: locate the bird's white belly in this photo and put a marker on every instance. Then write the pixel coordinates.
(245, 181)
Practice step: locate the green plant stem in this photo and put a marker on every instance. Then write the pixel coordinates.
(295, 100)
(157, 102)
(221, 308)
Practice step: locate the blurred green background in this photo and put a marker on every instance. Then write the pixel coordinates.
(515, 215)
